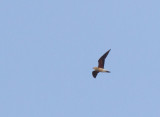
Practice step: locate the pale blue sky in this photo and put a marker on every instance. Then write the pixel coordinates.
(49, 47)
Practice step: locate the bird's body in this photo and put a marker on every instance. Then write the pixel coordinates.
(100, 67)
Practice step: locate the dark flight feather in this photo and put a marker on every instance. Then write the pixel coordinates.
(101, 61)
(94, 73)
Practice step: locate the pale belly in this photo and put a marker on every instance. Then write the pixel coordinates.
(100, 70)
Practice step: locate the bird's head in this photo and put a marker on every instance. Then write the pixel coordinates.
(95, 68)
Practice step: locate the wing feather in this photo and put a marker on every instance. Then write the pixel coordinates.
(94, 73)
(101, 61)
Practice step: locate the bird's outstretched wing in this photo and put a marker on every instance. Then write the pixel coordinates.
(102, 60)
(94, 73)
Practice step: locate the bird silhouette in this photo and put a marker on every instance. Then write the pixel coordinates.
(100, 67)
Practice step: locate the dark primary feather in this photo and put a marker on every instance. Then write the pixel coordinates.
(94, 73)
(101, 61)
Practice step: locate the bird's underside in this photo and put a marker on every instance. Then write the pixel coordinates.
(94, 73)
(100, 67)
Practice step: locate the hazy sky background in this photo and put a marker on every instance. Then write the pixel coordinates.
(49, 47)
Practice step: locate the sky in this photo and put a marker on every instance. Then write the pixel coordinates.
(49, 47)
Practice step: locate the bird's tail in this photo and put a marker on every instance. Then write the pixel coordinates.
(107, 71)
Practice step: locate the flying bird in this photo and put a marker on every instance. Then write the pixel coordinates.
(100, 67)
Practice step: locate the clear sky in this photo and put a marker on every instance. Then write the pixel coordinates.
(49, 47)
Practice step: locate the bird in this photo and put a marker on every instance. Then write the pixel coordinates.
(100, 67)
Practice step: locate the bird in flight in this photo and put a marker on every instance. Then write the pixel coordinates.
(100, 67)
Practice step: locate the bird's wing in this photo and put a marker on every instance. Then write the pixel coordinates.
(102, 60)
(94, 73)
